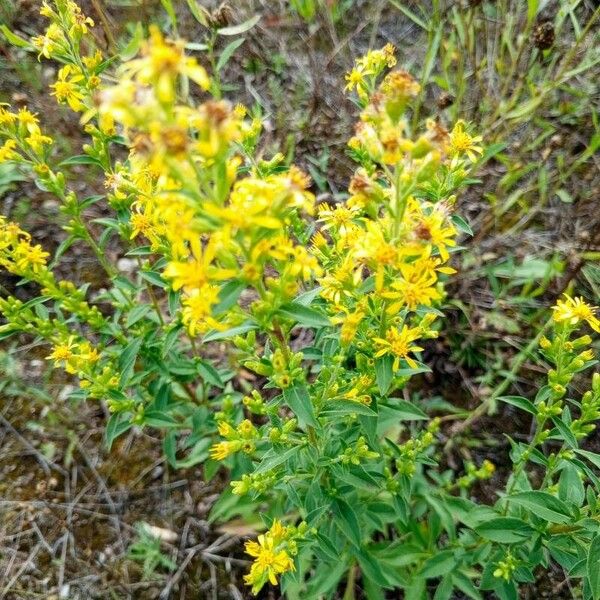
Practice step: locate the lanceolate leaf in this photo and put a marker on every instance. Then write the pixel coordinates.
(298, 399)
(593, 567)
(542, 504)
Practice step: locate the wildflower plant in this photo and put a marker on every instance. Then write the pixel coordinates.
(321, 315)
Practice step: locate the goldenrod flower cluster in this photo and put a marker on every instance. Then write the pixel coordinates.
(272, 553)
(385, 250)
(231, 246)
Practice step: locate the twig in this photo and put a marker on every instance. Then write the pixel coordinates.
(44, 462)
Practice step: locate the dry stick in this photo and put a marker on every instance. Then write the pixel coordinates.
(114, 517)
(106, 25)
(191, 552)
(44, 462)
(18, 574)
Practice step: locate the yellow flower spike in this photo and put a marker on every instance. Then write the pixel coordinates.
(573, 310)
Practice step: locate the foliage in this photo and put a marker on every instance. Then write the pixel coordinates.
(327, 310)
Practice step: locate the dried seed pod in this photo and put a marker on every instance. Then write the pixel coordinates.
(222, 16)
(445, 100)
(543, 35)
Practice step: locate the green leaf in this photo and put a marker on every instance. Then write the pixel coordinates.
(213, 336)
(154, 278)
(304, 315)
(228, 296)
(241, 28)
(384, 373)
(210, 374)
(170, 448)
(345, 518)
(347, 407)
(198, 454)
(591, 456)
(505, 530)
(81, 159)
(565, 432)
(411, 15)
(543, 505)
(298, 399)
(371, 568)
(461, 224)
(465, 585)
(519, 402)
(570, 486)
(168, 6)
(127, 360)
(274, 458)
(136, 314)
(593, 567)
(199, 12)
(407, 410)
(116, 426)
(158, 419)
(13, 38)
(532, 9)
(439, 564)
(228, 52)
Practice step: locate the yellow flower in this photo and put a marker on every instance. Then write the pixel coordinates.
(355, 79)
(247, 430)
(434, 229)
(197, 308)
(91, 62)
(28, 257)
(222, 450)
(376, 60)
(63, 352)
(463, 143)
(269, 562)
(7, 151)
(415, 287)
(572, 310)
(304, 264)
(140, 223)
(68, 89)
(226, 430)
(195, 273)
(399, 344)
(338, 218)
(7, 117)
(161, 63)
(47, 44)
(37, 140)
(27, 118)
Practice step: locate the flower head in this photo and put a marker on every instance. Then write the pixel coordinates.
(399, 344)
(271, 558)
(573, 310)
(462, 142)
